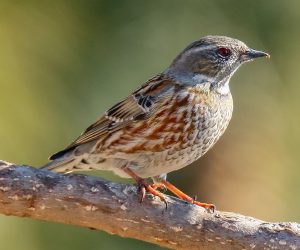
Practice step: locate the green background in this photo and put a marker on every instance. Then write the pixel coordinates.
(63, 63)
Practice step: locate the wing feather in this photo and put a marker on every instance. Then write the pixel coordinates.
(139, 105)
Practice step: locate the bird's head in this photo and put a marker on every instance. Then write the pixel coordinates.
(212, 58)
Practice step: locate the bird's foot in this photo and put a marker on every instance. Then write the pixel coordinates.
(146, 187)
(160, 186)
(185, 197)
(209, 207)
(152, 189)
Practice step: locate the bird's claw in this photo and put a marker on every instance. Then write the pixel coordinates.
(145, 187)
(208, 207)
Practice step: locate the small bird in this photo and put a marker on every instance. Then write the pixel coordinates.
(169, 122)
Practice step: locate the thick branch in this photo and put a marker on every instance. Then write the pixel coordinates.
(95, 203)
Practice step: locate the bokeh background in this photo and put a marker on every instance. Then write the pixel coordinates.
(63, 63)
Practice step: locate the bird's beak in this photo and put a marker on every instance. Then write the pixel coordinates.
(251, 54)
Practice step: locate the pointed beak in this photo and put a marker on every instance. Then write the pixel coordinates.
(251, 54)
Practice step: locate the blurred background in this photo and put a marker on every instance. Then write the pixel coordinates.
(63, 63)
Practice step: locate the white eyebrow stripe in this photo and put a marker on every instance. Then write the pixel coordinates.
(201, 48)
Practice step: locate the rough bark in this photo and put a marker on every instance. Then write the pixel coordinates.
(115, 208)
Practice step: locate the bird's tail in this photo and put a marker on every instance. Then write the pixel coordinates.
(63, 161)
(73, 159)
(61, 166)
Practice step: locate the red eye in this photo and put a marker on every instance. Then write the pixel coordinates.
(224, 52)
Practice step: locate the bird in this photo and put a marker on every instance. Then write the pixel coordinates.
(167, 123)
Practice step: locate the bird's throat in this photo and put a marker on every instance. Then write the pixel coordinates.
(223, 87)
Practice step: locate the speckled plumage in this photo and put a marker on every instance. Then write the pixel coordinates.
(180, 132)
(169, 122)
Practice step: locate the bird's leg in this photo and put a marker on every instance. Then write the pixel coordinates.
(160, 186)
(185, 197)
(145, 186)
(157, 182)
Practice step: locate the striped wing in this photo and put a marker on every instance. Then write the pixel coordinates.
(139, 105)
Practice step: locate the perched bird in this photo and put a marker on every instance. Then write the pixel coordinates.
(166, 124)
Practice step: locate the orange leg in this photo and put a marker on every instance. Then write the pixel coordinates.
(144, 186)
(185, 197)
(160, 186)
(151, 188)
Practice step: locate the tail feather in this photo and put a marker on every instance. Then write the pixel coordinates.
(69, 159)
(62, 153)
(76, 158)
(76, 163)
(60, 165)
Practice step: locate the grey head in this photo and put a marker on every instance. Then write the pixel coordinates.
(211, 59)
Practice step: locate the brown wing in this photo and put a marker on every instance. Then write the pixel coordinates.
(137, 106)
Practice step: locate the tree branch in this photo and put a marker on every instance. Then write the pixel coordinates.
(99, 204)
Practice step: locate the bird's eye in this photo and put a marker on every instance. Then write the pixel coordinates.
(224, 52)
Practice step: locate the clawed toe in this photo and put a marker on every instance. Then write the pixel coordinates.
(160, 186)
(150, 188)
(209, 207)
(145, 187)
(183, 196)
